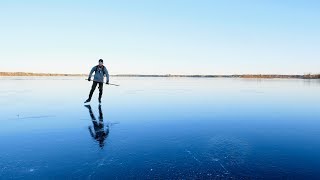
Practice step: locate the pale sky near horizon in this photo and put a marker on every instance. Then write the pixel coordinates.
(161, 36)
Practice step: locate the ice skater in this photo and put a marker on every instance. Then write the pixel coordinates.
(100, 71)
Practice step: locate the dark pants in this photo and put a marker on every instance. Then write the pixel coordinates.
(94, 85)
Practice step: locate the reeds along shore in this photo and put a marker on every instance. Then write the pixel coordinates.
(305, 76)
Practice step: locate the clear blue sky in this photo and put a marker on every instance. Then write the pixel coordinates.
(161, 36)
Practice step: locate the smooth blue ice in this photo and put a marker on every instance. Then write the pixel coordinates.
(160, 128)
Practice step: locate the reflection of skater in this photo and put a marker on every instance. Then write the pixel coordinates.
(98, 132)
(100, 71)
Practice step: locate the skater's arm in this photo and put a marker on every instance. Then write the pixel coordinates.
(91, 72)
(107, 75)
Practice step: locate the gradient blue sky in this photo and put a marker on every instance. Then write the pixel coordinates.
(161, 36)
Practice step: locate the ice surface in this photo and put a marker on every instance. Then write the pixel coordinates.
(160, 128)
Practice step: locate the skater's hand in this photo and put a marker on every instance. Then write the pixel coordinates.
(89, 79)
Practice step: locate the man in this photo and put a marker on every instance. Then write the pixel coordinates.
(100, 71)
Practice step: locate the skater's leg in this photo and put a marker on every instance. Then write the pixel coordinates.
(94, 85)
(100, 91)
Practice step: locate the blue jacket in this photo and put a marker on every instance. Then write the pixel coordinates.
(99, 74)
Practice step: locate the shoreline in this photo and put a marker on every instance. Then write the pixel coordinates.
(251, 76)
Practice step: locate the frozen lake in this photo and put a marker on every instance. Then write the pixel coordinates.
(160, 128)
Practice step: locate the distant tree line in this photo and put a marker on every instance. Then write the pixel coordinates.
(36, 74)
(306, 76)
(311, 76)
